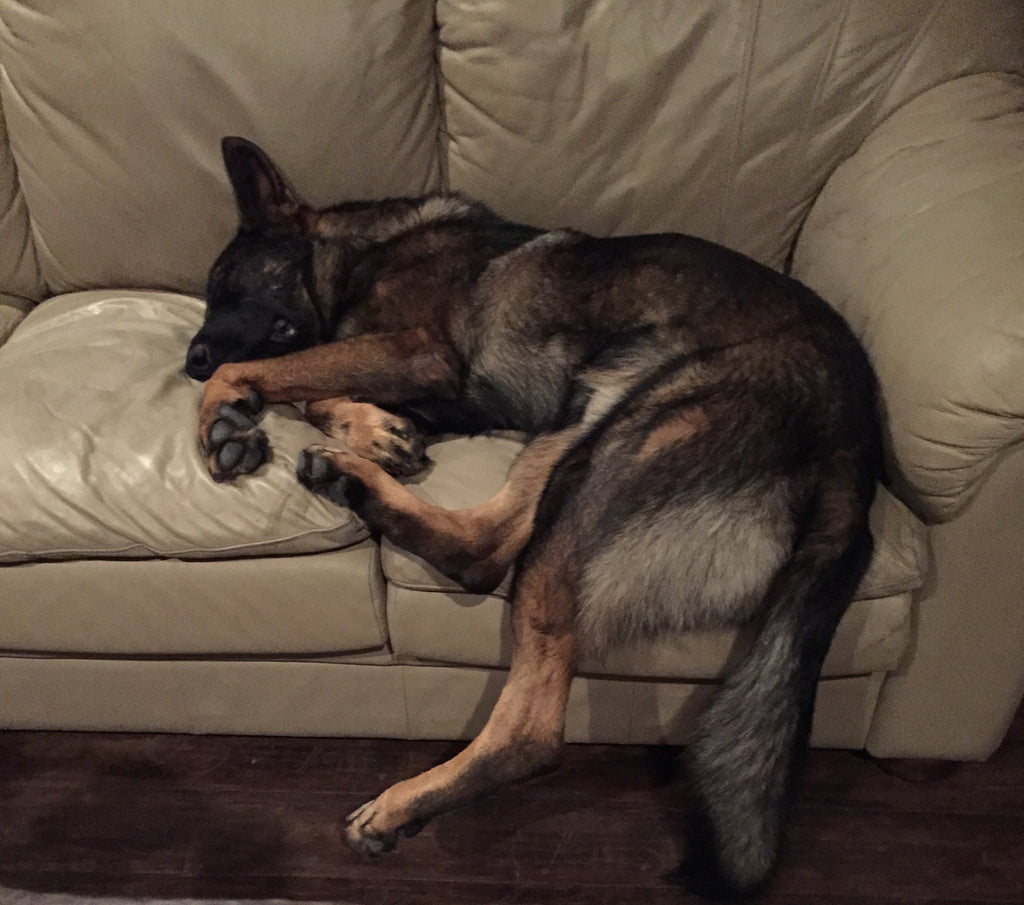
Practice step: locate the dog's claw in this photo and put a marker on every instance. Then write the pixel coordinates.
(389, 440)
(363, 839)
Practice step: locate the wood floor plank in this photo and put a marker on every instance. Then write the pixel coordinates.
(164, 815)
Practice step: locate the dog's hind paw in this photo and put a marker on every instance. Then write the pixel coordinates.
(361, 834)
(400, 451)
(234, 444)
(317, 468)
(384, 438)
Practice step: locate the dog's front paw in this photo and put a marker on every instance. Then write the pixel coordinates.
(321, 470)
(364, 833)
(233, 444)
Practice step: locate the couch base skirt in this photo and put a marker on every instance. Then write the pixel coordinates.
(321, 698)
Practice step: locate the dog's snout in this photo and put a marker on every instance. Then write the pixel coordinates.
(198, 363)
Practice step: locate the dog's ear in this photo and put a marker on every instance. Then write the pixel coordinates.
(265, 201)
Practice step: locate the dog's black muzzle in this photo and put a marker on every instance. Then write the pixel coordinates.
(199, 363)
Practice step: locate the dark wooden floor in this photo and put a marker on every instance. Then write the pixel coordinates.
(216, 816)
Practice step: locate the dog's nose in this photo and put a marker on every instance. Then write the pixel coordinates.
(197, 362)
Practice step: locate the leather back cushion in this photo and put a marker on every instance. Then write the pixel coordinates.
(115, 112)
(718, 118)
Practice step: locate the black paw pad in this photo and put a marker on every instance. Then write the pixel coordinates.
(314, 470)
(235, 445)
(318, 472)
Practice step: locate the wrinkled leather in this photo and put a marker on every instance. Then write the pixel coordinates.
(12, 312)
(20, 279)
(919, 240)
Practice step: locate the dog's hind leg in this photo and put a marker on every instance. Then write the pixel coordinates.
(382, 437)
(524, 735)
(474, 546)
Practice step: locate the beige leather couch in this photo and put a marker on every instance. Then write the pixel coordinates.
(877, 149)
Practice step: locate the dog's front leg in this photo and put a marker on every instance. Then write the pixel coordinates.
(524, 735)
(383, 368)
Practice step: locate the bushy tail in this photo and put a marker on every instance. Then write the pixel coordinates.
(751, 741)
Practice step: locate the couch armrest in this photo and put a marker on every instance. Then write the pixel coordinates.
(960, 684)
(918, 239)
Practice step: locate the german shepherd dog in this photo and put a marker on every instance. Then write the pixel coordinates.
(706, 450)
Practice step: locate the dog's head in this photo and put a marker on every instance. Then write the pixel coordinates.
(261, 296)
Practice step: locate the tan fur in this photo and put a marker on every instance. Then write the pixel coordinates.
(676, 430)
